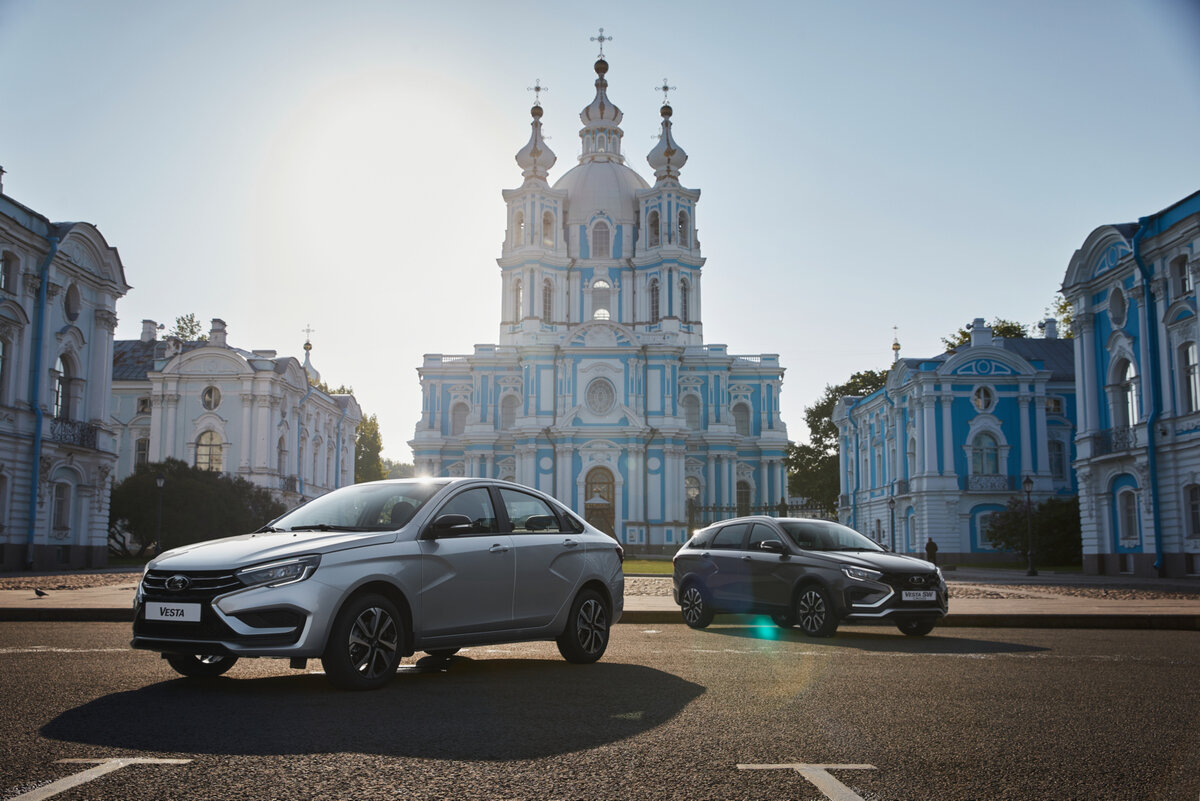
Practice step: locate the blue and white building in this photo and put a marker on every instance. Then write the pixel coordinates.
(948, 441)
(1133, 289)
(601, 390)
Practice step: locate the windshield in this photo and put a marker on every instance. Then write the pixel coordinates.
(822, 535)
(376, 506)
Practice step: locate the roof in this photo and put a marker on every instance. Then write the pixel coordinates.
(1056, 355)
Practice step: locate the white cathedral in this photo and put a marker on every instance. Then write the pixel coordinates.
(602, 391)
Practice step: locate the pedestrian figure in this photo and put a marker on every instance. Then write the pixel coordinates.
(782, 509)
(931, 551)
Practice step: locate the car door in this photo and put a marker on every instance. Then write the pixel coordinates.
(467, 577)
(729, 581)
(770, 572)
(549, 558)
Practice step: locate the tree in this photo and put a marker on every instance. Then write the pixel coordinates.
(187, 328)
(1006, 329)
(813, 468)
(197, 505)
(398, 469)
(1057, 537)
(1062, 310)
(368, 444)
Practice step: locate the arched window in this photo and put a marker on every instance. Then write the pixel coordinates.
(1189, 373)
(141, 451)
(1058, 459)
(985, 455)
(547, 229)
(741, 419)
(458, 419)
(508, 411)
(653, 229)
(691, 411)
(547, 301)
(316, 454)
(682, 230)
(691, 489)
(1181, 278)
(208, 451)
(654, 316)
(601, 243)
(519, 228)
(61, 520)
(685, 308)
(62, 390)
(1125, 411)
(912, 456)
(1127, 522)
(518, 300)
(745, 495)
(598, 505)
(8, 272)
(601, 299)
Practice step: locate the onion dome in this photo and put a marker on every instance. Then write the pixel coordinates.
(600, 134)
(667, 158)
(536, 158)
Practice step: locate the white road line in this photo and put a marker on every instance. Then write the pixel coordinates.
(819, 776)
(85, 776)
(47, 649)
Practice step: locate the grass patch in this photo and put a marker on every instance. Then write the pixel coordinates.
(662, 567)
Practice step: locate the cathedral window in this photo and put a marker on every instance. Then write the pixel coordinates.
(600, 396)
(1191, 496)
(208, 451)
(983, 399)
(547, 229)
(653, 230)
(691, 411)
(741, 419)
(8, 272)
(458, 419)
(683, 230)
(745, 495)
(547, 301)
(985, 456)
(4, 370)
(1181, 278)
(1125, 400)
(1189, 372)
(1117, 307)
(685, 312)
(62, 507)
(508, 411)
(1127, 522)
(519, 228)
(601, 300)
(1058, 459)
(654, 313)
(210, 398)
(71, 303)
(141, 451)
(281, 456)
(62, 392)
(601, 243)
(518, 299)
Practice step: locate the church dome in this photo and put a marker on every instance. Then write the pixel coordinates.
(594, 186)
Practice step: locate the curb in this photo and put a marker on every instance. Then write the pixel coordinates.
(1160, 622)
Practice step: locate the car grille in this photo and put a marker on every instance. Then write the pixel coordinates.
(203, 585)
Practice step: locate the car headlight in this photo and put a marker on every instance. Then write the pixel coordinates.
(862, 573)
(277, 573)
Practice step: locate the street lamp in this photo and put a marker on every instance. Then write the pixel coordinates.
(1027, 485)
(159, 480)
(892, 524)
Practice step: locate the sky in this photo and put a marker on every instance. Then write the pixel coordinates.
(869, 168)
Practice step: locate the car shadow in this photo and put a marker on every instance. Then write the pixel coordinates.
(873, 638)
(463, 709)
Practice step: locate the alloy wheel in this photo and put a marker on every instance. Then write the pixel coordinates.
(373, 642)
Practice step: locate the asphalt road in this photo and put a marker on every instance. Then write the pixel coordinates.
(669, 713)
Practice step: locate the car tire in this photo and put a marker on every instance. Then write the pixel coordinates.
(200, 666)
(814, 612)
(785, 620)
(695, 605)
(442, 653)
(586, 635)
(364, 644)
(916, 626)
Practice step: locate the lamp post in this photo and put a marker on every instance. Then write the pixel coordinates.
(892, 522)
(159, 480)
(1027, 485)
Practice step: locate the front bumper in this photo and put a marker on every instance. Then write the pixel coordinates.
(877, 600)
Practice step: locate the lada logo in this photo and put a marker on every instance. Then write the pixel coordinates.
(178, 583)
(918, 581)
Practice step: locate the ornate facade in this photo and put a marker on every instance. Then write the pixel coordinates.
(949, 440)
(252, 414)
(601, 390)
(59, 285)
(1133, 288)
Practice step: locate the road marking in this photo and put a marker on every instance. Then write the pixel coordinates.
(85, 776)
(46, 649)
(818, 775)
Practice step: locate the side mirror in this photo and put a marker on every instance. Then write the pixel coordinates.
(540, 523)
(774, 546)
(449, 526)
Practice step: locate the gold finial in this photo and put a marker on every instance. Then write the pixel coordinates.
(308, 330)
(895, 344)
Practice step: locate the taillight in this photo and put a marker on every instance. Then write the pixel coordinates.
(621, 554)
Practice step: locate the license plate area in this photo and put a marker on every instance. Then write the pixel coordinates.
(918, 595)
(173, 612)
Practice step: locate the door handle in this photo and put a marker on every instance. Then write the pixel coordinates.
(706, 555)
(745, 558)
(498, 548)
(569, 543)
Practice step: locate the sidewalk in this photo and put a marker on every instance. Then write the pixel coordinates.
(1019, 601)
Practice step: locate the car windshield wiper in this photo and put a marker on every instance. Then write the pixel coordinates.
(321, 527)
(266, 529)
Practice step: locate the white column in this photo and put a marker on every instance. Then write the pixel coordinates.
(246, 437)
(1026, 448)
(930, 436)
(947, 434)
(1043, 463)
(1087, 388)
(710, 481)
